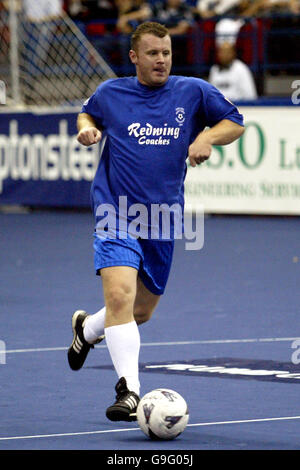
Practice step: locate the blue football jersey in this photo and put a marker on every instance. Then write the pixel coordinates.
(146, 135)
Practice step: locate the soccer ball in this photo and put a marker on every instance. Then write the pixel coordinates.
(162, 414)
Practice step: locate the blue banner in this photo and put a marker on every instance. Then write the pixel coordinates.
(41, 162)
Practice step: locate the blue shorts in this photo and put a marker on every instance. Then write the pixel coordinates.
(151, 258)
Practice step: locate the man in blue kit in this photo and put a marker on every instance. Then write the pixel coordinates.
(148, 126)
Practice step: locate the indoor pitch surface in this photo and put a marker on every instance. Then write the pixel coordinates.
(224, 336)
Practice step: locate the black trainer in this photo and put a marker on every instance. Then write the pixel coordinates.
(79, 348)
(124, 408)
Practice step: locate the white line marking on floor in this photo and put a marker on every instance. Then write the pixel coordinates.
(166, 343)
(84, 433)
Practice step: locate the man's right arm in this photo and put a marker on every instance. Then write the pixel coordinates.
(88, 133)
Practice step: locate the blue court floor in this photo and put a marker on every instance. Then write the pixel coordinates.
(225, 336)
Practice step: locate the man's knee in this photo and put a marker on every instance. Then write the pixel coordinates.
(119, 297)
(142, 314)
(119, 287)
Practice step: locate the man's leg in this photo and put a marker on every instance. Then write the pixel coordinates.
(121, 332)
(125, 296)
(119, 288)
(144, 305)
(89, 329)
(122, 339)
(127, 303)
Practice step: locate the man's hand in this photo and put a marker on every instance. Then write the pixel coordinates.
(89, 136)
(223, 133)
(199, 151)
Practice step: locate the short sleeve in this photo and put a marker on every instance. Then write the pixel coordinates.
(94, 106)
(217, 107)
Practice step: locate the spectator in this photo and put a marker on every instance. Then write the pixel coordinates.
(232, 76)
(131, 13)
(176, 15)
(86, 10)
(295, 7)
(43, 10)
(75, 9)
(227, 30)
(103, 9)
(37, 36)
(258, 7)
(79, 10)
(283, 51)
(209, 8)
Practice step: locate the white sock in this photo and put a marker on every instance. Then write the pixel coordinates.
(94, 326)
(123, 342)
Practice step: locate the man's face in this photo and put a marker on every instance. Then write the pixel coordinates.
(153, 59)
(225, 54)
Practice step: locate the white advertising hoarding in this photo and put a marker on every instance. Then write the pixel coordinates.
(259, 173)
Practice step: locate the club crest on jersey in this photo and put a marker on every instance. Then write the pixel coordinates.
(180, 116)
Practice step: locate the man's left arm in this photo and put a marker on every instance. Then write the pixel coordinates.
(223, 133)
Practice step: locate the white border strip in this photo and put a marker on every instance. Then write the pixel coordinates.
(167, 343)
(84, 433)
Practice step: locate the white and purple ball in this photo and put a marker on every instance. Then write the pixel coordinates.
(162, 414)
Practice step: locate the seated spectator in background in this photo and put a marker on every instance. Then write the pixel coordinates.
(259, 7)
(227, 30)
(87, 10)
(104, 9)
(176, 15)
(243, 7)
(37, 33)
(76, 9)
(131, 13)
(232, 76)
(209, 8)
(295, 7)
(284, 50)
(43, 10)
